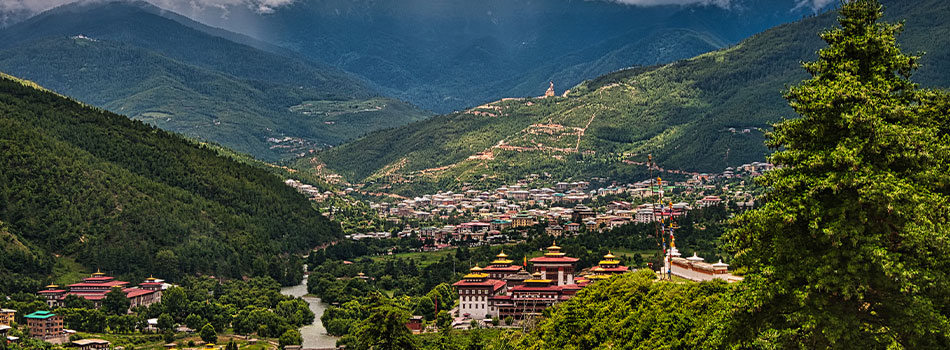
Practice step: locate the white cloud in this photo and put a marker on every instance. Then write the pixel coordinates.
(260, 6)
(814, 4)
(720, 3)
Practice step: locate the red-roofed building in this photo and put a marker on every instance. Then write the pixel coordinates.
(555, 265)
(475, 289)
(96, 287)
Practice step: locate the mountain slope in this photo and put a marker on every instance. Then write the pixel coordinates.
(451, 54)
(77, 181)
(683, 113)
(133, 58)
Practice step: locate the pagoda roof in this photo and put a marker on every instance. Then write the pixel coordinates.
(51, 291)
(502, 262)
(109, 284)
(502, 268)
(609, 262)
(551, 259)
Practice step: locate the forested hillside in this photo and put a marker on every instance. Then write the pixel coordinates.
(703, 114)
(453, 54)
(154, 66)
(81, 184)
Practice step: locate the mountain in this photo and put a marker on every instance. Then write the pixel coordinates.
(87, 186)
(699, 115)
(162, 68)
(450, 54)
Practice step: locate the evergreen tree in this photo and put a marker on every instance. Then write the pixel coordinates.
(850, 250)
(166, 322)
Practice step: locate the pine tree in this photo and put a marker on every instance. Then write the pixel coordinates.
(851, 249)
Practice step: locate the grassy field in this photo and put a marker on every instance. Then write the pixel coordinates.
(67, 271)
(422, 259)
(155, 341)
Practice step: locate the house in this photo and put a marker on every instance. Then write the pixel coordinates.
(415, 324)
(7, 316)
(91, 344)
(45, 325)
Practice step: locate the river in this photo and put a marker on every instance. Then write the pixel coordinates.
(314, 336)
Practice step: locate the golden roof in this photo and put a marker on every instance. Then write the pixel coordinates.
(536, 274)
(502, 262)
(598, 269)
(476, 269)
(609, 256)
(537, 281)
(52, 286)
(475, 275)
(98, 273)
(599, 277)
(609, 262)
(501, 255)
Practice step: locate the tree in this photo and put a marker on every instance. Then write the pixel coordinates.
(290, 337)
(208, 334)
(194, 321)
(850, 249)
(115, 302)
(444, 320)
(384, 329)
(175, 301)
(78, 302)
(166, 322)
(231, 345)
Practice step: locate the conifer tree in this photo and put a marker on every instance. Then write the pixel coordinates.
(851, 249)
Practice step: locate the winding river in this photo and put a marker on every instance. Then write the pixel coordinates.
(314, 335)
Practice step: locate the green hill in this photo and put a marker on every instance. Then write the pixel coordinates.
(79, 183)
(154, 66)
(702, 115)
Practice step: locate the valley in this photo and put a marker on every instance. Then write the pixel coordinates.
(300, 175)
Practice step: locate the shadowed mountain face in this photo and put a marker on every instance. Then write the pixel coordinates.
(78, 183)
(701, 115)
(445, 55)
(213, 85)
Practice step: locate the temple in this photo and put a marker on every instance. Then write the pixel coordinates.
(694, 268)
(95, 288)
(504, 290)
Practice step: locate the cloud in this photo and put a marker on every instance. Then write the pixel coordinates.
(720, 3)
(814, 4)
(259, 6)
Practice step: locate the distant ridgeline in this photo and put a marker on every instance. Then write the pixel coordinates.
(699, 115)
(164, 69)
(81, 184)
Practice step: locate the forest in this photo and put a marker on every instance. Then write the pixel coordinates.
(110, 193)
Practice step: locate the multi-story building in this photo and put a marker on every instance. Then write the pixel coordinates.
(7, 316)
(96, 287)
(555, 265)
(503, 289)
(45, 325)
(695, 269)
(474, 290)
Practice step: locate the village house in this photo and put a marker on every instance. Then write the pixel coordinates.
(91, 344)
(7, 316)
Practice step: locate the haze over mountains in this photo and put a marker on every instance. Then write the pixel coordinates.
(210, 84)
(700, 115)
(447, 55)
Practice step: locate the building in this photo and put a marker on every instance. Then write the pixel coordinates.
(501, 267)
(91, 344)
(522, 220)
(7, 316)
(95, 288)
(582, 213)
(695, 269)
(45, 325)
(474, 290)
(555, 265)
(502, 290)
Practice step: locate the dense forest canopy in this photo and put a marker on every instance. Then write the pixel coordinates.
(81, 184)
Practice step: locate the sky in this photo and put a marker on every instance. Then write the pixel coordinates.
(269, 6)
